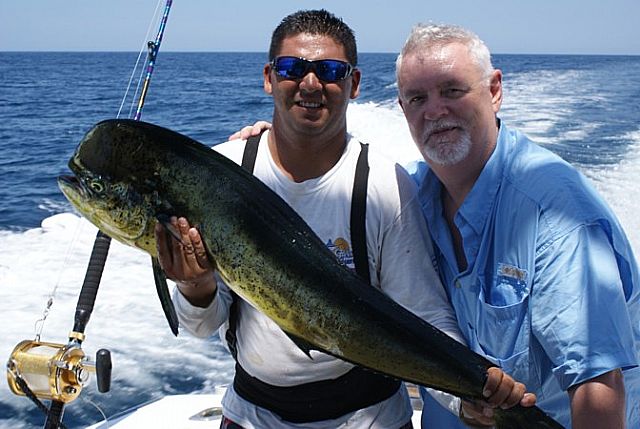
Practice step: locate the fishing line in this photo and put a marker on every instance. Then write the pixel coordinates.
(143, 50)
(126, 93)
(39, 324)
(97, 407)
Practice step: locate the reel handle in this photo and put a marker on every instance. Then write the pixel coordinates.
(103, 370)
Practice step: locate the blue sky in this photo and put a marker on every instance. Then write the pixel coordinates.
(507, 26)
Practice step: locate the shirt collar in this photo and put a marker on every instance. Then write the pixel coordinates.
(478, 204)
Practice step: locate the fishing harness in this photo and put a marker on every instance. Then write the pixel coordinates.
(324, 399)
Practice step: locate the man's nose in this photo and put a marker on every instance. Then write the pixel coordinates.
(310, 82)
(435, 108)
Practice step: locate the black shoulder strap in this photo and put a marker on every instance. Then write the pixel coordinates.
(358, 225)
(250, 153)
(359, 214)
(248, 163)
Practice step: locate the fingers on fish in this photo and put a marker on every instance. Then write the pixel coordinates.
(165, 220)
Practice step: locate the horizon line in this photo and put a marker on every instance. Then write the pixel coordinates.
(265, 52)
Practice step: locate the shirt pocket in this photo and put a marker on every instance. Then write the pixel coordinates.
(509, 287)
(503, 331)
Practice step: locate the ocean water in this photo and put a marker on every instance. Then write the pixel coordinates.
(584, 108)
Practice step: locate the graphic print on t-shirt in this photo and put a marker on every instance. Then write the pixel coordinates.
(341, 248)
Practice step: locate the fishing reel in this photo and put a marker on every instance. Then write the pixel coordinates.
(56, 371)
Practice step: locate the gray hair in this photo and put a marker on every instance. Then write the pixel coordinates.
(425, 36)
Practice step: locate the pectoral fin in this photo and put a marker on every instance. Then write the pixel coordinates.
(303, 345)
(165, 297)
(171, 230)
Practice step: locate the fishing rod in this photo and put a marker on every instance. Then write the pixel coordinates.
(153, 47)
(57, 372)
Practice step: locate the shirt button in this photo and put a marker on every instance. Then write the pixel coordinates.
(457, 284)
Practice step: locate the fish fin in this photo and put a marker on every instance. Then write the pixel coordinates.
(520, 417)
(303, 345)
(165, 297)
(171, 230)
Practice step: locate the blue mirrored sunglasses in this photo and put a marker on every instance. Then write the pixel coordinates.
(326, 70)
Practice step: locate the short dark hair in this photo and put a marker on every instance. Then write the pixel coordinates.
(318, 22)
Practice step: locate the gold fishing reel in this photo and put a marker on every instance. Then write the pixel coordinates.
(55, 371)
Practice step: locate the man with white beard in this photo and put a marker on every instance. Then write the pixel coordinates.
(540, 274)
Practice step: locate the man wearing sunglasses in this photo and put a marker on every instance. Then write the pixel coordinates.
(310, 160)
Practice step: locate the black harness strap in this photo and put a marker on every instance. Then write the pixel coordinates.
(251, 153)
(319, 400)
(248, 162)
(359, 214)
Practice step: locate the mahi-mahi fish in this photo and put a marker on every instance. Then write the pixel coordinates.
(129, 175)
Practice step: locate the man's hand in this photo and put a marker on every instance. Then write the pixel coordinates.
(250, 130)
(184, 260)
(500, 390)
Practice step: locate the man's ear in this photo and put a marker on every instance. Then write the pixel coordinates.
(495, 87)
(266, 73)
(355, 83)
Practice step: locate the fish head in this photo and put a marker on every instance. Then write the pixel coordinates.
(113, 185)
(116, 208)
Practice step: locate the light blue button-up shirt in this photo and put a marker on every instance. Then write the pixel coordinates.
(552, 290)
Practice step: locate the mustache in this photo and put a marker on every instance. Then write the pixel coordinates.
(440, 125)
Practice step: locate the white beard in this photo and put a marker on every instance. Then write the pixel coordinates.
(445, 152)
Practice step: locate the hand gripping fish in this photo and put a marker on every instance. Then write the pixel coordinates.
(129, 175)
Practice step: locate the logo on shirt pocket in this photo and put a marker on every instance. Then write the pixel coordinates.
(512, 281)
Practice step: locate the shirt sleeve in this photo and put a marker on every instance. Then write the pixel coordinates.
(203, 322)
(406, 265)
(579, 312)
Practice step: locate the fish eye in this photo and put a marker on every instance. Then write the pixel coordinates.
(96, 186)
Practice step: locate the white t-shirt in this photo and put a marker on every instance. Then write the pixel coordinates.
(400, 262)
